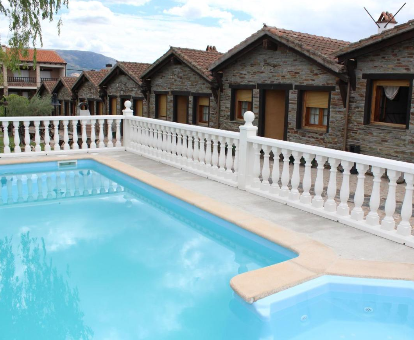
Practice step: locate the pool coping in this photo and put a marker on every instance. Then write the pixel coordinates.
(314, 258)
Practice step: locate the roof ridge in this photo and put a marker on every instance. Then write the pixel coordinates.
(307, 34)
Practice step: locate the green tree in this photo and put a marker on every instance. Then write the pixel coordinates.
(25, 25)
(21, 106)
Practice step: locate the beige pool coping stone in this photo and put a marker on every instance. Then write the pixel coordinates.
(314, 258)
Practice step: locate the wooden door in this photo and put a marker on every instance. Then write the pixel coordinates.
(274, 114)
(113, 106)
(182, 109)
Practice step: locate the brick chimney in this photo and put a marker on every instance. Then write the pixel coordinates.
(386, 21)
(108, 66)
(211, 48)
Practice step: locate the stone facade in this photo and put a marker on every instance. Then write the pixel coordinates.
(181, 78)
(66, 101)
(123, 86)
(375, 140)
(261, 66)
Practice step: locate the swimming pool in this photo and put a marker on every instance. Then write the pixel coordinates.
(90, 253)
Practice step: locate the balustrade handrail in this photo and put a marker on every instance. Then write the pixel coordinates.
(49, 79)
(188, 127)
(56, 118)
(337, 154)
(21, 79)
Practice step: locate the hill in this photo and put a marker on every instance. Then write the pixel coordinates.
(79, 61)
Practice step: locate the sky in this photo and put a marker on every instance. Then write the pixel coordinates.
(143, 30)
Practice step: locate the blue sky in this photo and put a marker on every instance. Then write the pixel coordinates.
(142, 30)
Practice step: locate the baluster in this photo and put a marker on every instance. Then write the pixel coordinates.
(284, 191)
(343, 208)
(93, 136)
(37, 136)
(101, 144)
(202, 152)
(274, 189)
(29, 184)
(173, 156)
(180, 146)
(118, 143)
(39, 188)
(6, 139)
(184, 147)
(236, 157)
(374, 202)
(196, 150)
(265, 169)
(190, 149)
(330, 204)
(222, 156)
(357, 213)
(65, 135)
(75, 138)
(17, 148)
(404, 227)
(133, 134)
(208, 152)
(317, 200)
(256, 166)
(27, 147)
(56, 146)
(47, 136)
(214, 159)
(388, 223)
(109, 144)
(164, 142)
(294, 194)
(84, 135)
(306, 197)
(229, 158)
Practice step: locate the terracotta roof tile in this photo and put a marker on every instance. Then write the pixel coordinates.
(49, 85)
(389, 33)
(95, 77)
(43, 56)
(321, 49)
(68, 82)
(134, 70)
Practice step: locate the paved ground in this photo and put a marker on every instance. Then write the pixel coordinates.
(346, 241)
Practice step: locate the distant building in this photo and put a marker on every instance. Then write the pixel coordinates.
(50, 67)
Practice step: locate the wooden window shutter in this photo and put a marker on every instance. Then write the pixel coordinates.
(162, 106)
(244, 95)
(205, 101)
(317, 99)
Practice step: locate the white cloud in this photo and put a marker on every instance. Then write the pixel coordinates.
(194, 9)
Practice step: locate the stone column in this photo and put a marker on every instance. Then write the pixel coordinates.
(38, 80)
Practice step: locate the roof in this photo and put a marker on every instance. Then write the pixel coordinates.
(132, 69)
(49, 85)
(198, 60)
(67, 82)
(378, 38)
(95, 77)
(321, 49)
(43, 56)
(386, 17)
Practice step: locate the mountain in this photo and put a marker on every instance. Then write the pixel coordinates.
(79, 61)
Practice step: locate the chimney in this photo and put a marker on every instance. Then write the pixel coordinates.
(108, 66)
(211, 48)
(386, 21)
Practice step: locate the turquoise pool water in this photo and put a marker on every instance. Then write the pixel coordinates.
(90, 253)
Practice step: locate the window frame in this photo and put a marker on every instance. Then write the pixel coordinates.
(235, 109)
(157, 106)
(195, 108)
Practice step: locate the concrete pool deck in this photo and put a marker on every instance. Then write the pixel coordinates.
(324, 246)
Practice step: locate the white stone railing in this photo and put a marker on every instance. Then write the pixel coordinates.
(207, 152)
(31, 136)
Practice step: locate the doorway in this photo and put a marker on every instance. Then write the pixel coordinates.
(181, 109)
(273, 113)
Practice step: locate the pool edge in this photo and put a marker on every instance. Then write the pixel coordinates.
(314, 258)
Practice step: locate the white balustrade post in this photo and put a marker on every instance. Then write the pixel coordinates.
(118, 143)
(214, 159)
(265, 185)
(343, 207)
(109, 144)
(388, 223)
(330, 204)
(404, 227)
(84, 135)
(274, 189)
(294, 194)
(229, 158)
(128, 113)
(65, 135)
(201, 153)
(196, 150)
(27, 147)
(190, 149)
(6, 139)
(357, 213)
(306, 197)
(47, 136)
(222, 156)
(245, 151)
(56, 146)
(75, 145)
(208, 152)
(93, 134)
(101, 134)
(284, 190)
(256, 166)
(37, 136)
(17, 148)
(373, 218)
(317, 201)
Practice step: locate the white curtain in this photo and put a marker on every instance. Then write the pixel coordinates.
(391, 91)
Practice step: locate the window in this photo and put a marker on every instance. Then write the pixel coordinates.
(315, 109)
(161, 111)
(389, 102)
(203, 110)
(243, 102)
(138, 107)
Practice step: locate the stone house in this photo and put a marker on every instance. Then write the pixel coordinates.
(291, 80)
(64, 94)
(381, 73)
(86, 89)
(123, 83)
(46, 88)
(180, 88)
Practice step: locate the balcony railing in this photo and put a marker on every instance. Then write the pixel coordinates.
(21, 79)
(318, 180)
(49, 79)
